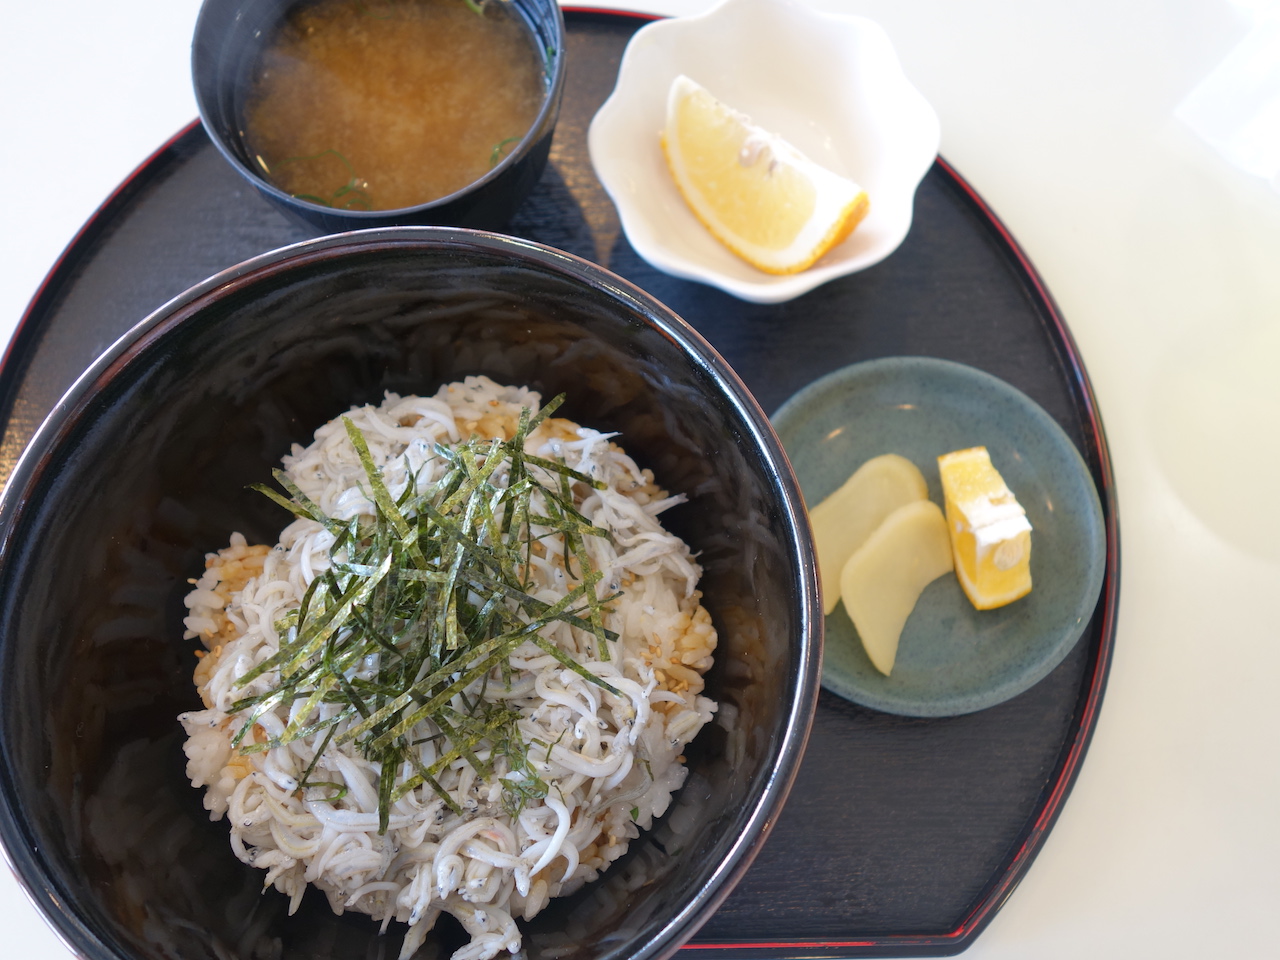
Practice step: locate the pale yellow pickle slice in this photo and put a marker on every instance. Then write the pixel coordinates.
(843, 521)
(882, 582)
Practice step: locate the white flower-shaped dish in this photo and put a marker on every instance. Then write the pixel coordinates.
(830, 85)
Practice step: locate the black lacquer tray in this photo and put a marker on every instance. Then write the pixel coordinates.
(902, 837)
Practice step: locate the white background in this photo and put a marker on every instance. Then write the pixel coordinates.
(1164, 259)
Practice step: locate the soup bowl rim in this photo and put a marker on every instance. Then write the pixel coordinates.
(541, 126)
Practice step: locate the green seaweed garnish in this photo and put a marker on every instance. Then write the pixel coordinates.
(478, 6)
(341, 790)
(366, 10)
(496, 153)
(353, 194)
(419, 612)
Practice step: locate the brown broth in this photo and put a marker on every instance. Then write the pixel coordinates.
(377, 105)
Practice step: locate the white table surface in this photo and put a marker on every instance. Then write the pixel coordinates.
(1165, 260)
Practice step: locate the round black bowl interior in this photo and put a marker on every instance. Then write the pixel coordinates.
(143, 468)
(229, 40)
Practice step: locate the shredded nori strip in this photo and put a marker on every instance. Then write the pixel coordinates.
(434, 590)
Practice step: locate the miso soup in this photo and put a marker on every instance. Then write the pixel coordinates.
(379, 105)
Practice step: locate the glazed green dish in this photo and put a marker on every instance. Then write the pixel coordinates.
(953, 659)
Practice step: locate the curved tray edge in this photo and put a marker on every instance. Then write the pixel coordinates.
(1098, 457)
(25, 335)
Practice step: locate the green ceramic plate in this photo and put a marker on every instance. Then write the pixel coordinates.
(953, 659)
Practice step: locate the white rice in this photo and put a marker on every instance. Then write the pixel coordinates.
(614, 763)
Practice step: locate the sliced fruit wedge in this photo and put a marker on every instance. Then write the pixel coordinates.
(990, 534)
(756, 193)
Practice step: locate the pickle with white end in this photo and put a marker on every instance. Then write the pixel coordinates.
(990, 533)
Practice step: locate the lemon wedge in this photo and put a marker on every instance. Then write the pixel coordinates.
(990, 533)
(758, 195)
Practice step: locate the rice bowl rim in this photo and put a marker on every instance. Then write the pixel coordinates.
(769, 793)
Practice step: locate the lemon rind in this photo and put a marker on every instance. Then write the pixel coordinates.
(988, 601)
